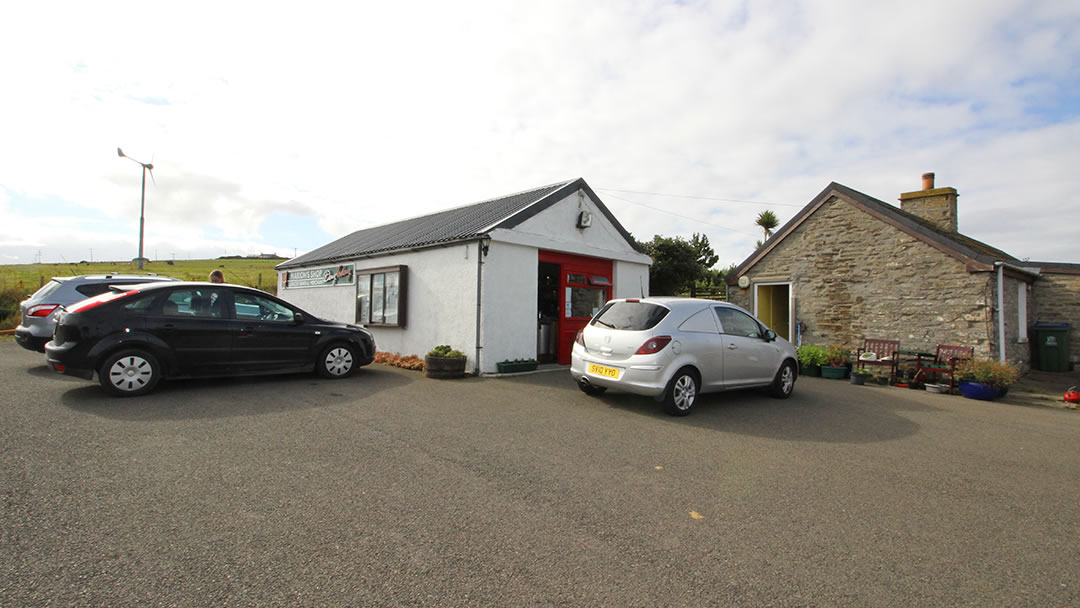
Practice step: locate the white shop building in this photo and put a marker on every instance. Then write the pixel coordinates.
(508, 278)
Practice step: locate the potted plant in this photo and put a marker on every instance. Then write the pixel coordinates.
(836, 362)
(860, 376)
(985, 379)
(517, 365)
(882, 379)
(444, 362)
(811, 357)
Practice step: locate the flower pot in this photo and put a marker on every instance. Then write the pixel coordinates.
(883, 380)
(978, 390)
(511, 367)
(810, 370)
(858, 379)
(444, 367)
(835, 372)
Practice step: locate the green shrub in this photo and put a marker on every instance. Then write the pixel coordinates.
(997, 373)
(9, 307)
(811, 354)
(445, 351)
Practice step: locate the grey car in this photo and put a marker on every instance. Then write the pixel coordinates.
(673, 349)
(39, 311)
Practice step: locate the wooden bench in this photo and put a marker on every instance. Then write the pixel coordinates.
(945, 361)
(884, 353)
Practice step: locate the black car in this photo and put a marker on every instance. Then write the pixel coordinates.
(134, 335)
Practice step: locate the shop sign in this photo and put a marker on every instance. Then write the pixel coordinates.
(320, 277)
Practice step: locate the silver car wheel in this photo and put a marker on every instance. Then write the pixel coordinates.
(339, 361)
(787, 379)
(131, 373)
(684, 392)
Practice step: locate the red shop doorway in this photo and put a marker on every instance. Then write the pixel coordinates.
(572, 289)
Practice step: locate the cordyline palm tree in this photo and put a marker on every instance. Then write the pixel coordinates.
(768, 222)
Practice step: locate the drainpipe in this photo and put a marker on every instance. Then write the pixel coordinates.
(1001, 309)
(481, 251)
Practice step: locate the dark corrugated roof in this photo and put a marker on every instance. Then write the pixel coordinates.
(952, 241)
(461, 223)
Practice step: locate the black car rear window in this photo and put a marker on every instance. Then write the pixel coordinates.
(92, 289)
(630, 316)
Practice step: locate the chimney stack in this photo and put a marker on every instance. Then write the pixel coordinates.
(934, 205)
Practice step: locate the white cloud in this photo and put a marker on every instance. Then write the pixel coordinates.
(360, 114)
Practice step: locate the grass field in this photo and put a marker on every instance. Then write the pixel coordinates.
(19, 280)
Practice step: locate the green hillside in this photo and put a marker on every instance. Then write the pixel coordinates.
(19, 280)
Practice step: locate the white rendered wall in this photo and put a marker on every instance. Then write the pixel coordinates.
(509, 311)
(631, 280)
(556, 229)
(441, 301)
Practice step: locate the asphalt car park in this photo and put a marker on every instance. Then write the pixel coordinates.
(388, 488)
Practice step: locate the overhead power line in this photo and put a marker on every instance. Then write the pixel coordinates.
(692, 219)
(704, 198)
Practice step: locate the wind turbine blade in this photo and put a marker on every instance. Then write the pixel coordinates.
(119, 152)
(151, 170)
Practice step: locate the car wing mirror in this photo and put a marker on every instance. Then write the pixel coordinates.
(770, 335)
(298, 318)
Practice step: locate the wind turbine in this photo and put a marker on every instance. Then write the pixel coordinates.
(142, 202)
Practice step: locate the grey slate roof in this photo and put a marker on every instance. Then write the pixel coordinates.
(954, 242)
(459, 224)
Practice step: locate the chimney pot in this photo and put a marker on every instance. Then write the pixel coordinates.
(927, 181)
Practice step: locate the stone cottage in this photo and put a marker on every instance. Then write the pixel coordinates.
(849, 266)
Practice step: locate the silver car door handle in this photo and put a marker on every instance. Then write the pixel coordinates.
(731, 347)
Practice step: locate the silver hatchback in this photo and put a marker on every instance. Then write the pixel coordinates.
(39, 311)
(674, 349)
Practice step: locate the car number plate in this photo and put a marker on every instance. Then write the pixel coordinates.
(601, 370)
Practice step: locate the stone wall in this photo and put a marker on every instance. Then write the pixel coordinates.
(855, 276)
(1057, 300)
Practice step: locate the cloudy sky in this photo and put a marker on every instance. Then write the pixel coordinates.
(277, 127)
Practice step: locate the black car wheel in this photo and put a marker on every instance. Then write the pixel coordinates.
(338, 361)
(784, 383)
(129, 373)
(681, 393)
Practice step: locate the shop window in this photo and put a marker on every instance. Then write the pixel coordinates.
(380, 296)
(580, 279)
(601, 281)
(584, 302)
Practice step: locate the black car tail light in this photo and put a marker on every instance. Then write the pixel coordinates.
(96, 301)
(653, 345)
(41, 310)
